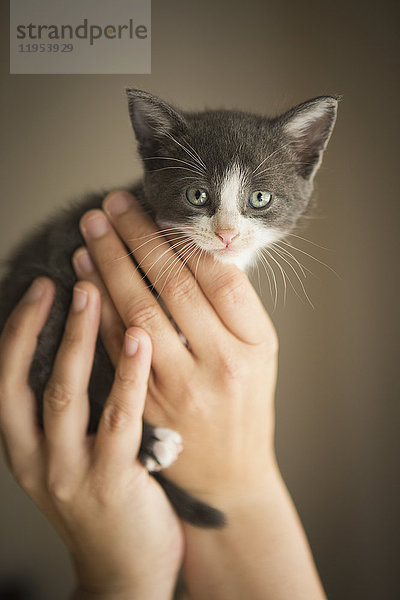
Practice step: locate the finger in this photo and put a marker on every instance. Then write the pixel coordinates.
(133, 300)
(119, 435)
(111, 326)
(65, 402)
(18, 418)
(19, 337)
(234, 299)
(164, 262)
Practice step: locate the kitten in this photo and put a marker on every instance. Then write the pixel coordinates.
(233, 182)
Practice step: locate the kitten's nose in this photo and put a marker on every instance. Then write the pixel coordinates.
(227, 235)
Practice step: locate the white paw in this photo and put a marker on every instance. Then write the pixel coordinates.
(166, 448)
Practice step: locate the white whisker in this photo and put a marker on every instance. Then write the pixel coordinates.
(176, 260)
(282, 275)
(132, 252)
(309, 242)
(268, 266)
(157, 231)
(290, 255)
(192, 154)
(311, 256)
(279, 165)
(174, 255)
(198, 262)
(256, 266)
(168, 266)
(259, 256)
(270, 156)
(198, 155)
(184, 162)
(298, 277)
(170, 247)
(176, 235)
(185, 257)
(182, 169)
(191, 177)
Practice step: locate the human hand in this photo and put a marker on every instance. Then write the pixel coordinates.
(123, 536)
(219, 394)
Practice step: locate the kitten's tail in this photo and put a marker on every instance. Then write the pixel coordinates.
(190, 509)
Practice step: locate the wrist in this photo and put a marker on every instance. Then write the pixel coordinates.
(235, 495)
(122, 578)
(139, 592)
(152, 586)
(262, 544)
(83, 593)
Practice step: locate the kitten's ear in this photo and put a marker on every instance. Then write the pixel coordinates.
(309, 127)
(151, 118)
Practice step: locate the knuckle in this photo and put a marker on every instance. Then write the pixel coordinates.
(126, 382)
(189, 398)
(25, 479)
(59, 489)
(14, 328)
(269, 346)
(232, 367)
(99, 488)
(116, 415)
(230, 287)
(105, 491)
(181, 287)
(143, 314)
(72, 338)
(58, 396)
(231, 370)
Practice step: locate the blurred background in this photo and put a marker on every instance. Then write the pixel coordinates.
(338, 389)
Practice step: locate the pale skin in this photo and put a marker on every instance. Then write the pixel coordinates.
(218, 394)
(109, 512)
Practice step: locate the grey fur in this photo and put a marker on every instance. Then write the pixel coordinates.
(215, 139)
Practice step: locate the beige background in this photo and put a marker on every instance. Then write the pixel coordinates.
(338, 392)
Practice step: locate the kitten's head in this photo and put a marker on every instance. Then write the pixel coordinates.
(233, 182)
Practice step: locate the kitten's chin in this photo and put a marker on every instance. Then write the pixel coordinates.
(242, 259)
(225, 255)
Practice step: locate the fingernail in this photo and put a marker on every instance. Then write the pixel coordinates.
(83, 261)
(117, 203)
(34, 292)
(95, 226)
(79, 300)
(131, 345)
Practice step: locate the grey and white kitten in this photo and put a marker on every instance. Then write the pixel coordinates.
(232, 181)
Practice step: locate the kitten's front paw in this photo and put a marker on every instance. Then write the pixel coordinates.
(163, 449)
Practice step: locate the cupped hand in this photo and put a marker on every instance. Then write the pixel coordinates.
(217, 390)
(123, 535)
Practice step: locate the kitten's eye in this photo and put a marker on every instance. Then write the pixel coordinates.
(260, 199)
(197, 196)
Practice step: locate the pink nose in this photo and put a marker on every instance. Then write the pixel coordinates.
(227, 235)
